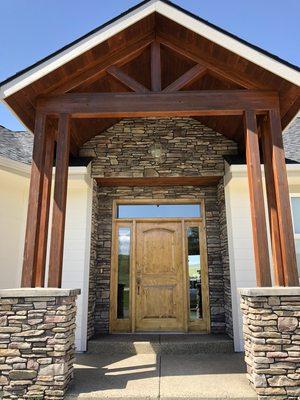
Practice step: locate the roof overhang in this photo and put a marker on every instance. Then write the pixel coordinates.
(169, 10)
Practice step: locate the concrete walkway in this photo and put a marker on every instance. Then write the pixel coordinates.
(150, 376)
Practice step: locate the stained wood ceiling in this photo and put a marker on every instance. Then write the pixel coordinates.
(130, 52)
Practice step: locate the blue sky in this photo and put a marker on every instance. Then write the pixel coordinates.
(31, 29)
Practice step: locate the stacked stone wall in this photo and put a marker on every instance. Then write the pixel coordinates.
(36, 344)
(272, 344)
(189, 149)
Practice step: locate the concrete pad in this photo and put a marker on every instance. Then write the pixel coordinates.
(204, 376)
(115, 377)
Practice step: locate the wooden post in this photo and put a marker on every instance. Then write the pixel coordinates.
(283, 201)
(266, 141)
(155, 67)
(258, 217)
(39, 271)
(59, 205)
(34, 201)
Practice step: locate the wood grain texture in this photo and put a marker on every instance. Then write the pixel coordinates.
(155, 67)
(289, 261)
(160, 181)
(39, 275)
(188, 78)
(126, 79)
(59, 203)
(184, 103)
(266, 141)
(34, 202)
(258, 216)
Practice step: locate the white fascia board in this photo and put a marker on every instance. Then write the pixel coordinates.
(127, 20)
(19, 168)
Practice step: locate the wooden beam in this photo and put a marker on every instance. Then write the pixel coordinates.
(226, 73)
(131, 83)
(183, 103)
(266, 141)
(34, 201)
(258, 217)
(59, 204)
(160, 181)
(186, 79)
(283, 201)
(39, 273)
(98, 69)
(155, 67)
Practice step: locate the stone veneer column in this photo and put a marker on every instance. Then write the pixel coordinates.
(37, 330)
(271, 323)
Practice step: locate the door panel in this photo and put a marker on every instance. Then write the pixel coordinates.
(159, 277)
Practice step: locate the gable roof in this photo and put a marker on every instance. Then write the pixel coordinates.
(168, 9)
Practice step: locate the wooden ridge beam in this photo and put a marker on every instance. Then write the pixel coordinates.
(183, 103)
(187, 78)
(126, 80)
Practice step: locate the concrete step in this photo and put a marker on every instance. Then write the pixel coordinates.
(131, 344)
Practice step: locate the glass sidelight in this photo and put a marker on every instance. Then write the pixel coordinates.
(194, 273)
(124, 237)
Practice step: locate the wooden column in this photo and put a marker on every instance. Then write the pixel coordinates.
(258, 217)
(266, 141)
(59, 204)
(34, 201)
(39, 272)
(281, 188)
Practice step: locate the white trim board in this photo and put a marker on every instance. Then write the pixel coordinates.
(132, 17)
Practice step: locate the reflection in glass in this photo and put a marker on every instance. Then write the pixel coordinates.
(194, 269)
(123, 273)
(159, 211)
(297, 243)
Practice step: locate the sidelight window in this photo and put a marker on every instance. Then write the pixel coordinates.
(295, 202)
(124, 238)
(194, 271)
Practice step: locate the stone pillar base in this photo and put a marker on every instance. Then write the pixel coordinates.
(271, 324)
(37, 330)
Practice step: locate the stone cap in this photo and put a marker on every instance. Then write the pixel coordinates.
(38, 292)
(270, 291)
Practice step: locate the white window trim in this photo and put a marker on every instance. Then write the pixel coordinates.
(296, 235)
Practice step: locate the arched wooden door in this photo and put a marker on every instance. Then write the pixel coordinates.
(159, 286)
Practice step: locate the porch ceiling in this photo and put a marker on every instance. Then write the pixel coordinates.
(182, 51)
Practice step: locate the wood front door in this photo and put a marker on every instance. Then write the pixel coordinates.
(159, 281)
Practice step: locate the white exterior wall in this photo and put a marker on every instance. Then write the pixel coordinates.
(14, 186)
(239, 230)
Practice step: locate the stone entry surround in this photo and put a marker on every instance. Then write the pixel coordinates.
(37, 330)
(271, 324)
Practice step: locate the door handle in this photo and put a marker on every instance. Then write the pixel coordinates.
(138, 283)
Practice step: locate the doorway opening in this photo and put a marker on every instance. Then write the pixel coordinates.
(159, 274)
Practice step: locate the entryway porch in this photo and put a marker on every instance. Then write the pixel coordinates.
(162, 366)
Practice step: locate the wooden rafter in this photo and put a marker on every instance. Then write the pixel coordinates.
(187, 78)
(183, 103)
(126, 79)
(155, 67)
(229, 75)
(98, 69)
